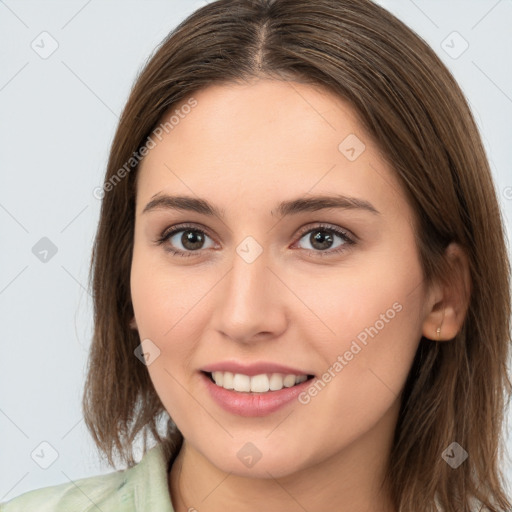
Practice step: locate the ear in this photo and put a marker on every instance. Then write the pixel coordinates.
(133, 323)
(448, 299)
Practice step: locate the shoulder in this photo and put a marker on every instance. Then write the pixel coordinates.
(141, 487)
(77, 495)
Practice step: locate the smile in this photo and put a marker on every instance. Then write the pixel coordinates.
(243, 401)
(262, 383)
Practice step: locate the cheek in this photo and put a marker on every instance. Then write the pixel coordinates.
(163, 304)
(164, 310)
(374, 315)
(160, 297)
(169, 309)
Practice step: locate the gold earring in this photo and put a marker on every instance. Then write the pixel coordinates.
(438, 332)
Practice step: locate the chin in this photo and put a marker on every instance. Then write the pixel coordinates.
(258, 459)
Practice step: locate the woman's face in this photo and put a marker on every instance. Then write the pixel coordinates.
(274, 277)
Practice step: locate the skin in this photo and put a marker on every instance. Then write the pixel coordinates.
(245, 148)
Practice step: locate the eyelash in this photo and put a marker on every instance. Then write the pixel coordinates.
(348, 241)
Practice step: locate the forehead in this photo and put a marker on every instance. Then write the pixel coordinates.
(271, 112)
(263, 139)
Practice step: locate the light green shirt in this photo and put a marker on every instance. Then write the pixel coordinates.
(141, 488)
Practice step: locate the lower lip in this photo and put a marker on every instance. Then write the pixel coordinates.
(253, 404)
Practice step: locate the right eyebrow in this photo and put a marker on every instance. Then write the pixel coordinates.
(185, 203)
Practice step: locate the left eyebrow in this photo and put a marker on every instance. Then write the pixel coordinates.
(314, 203)
(285, 208)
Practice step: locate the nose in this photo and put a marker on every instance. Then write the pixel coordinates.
(251, 301)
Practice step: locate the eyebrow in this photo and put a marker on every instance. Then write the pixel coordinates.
(294, 206)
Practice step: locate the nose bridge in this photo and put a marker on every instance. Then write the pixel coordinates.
(249, 301)
(248, 279)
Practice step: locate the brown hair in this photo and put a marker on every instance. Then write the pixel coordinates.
(412, 107)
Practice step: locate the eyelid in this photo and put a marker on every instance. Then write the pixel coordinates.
(170, 231)
(328, 227)
(183, 227)
(349, 240)
(348, 237)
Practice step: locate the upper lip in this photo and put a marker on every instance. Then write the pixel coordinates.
(253, 368)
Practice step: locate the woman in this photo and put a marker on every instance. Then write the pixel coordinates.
(296, 265)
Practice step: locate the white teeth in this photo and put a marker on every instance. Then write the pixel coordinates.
(289, 381)
(227, 380)
(301, 378)
(218, 377)
(276, 382)
(257, 383)
(241, 382)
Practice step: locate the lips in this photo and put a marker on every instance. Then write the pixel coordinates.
(254, 368)
(253, 404)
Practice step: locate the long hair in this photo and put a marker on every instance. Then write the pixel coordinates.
(414, 110)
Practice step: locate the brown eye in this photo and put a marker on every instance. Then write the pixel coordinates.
(327, 240)
(191, 239)
(184, 241)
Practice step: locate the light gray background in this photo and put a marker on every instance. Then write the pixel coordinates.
(58, 117)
